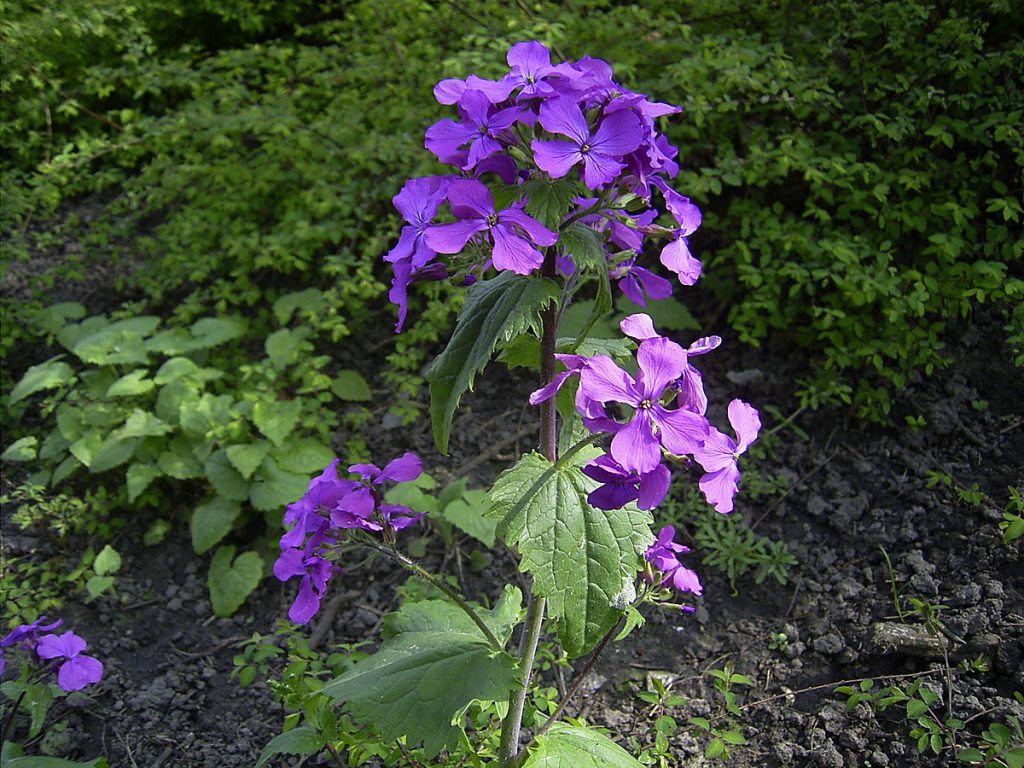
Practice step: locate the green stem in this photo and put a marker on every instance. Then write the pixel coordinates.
(513, 723)
(433, 581)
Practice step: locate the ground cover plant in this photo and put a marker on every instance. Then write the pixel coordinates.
(233, 165)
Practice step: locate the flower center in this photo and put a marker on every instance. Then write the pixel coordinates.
(584, 149)
(530, 79)
(492, 219)
(645, 405)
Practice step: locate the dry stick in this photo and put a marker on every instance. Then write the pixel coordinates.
(778, 696)
(491, 451)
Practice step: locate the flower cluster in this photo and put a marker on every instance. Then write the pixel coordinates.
(544, 121)
(330, 505)
(667, 405)
(75, 671)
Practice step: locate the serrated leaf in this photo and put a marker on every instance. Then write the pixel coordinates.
(549, 201)
(350, 385)
(21, 450)
(585, 247)
(209, 412)
(570, 746)
(303, 456)
(212, 521)
(178, 461)
(174, 369)
(232, 579)
(273, 487)
(224, 478)
(139, 478)
(143, 424)
(434, 662)
(131, 384)
(108, 561)
(467, 514)
(116, 343)
(276, 420)
(280, 346)
(496, 311)
(213, 331)
(303, 740)
(113, 452)
(583, 560)
(247, 458)
(49, 375)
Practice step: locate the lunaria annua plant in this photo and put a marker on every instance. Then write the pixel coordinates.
(559, 189)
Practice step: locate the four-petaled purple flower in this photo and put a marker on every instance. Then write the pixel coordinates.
(510, 230)
(720, 453)
(481, 128)
(25, 634)
(600, 152)
(664, 556)
(313, 570)
(78, 670)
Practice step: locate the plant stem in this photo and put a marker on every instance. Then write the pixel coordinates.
(513, 722)
(433, 581)
(579, 678)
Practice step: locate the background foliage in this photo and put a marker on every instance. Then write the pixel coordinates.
(859, 166)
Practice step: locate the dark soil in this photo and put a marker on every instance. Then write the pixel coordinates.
(167, 698)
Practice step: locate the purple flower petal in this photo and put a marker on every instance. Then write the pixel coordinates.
(289, 564)
(449, 91)
(635, 446)
(654, 487)
(661, 361)
(67, 645)
(681, 431)
(563, 116)
(452, 238)
(555, 158)
(599, 169)
(677, 257)
(514, 253)
(617, 135)
(746, 422)
(536, 231)
(78, 672)
(470, 199)
(718, 452)
(405, 468)
(307, 603)
(639, 327)
(720, 487)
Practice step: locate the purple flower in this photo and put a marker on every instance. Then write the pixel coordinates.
(637, 444)
(481, 129)
(362, 508)
(676, 255)
(638, 283)
(308, 513)
(78, 670)
(313, 570)
(620, 486)
(664, 556)
(601, 152)
(532, 73)
(719, 455)
(510, 230)
(25, 633)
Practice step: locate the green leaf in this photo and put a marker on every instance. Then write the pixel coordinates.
(143, 424)
(36, 702)
(232, 579)
(213, 331)
(303, 740)
(275, 420)
(212, 521)
(131, 384)
(350, 385)
(433, 664)
(210, 412)
(172, 341)
(303, 456)
(468, 515)
(51, 319)
(549, 201)
(570, 746)
(178, 462)
(310, 300)
(247, 458)
(157, 532)
(585, 247)
(108, 561)
(174, 369)
(224, 478)
(21, 450)
(49, 375)
(412, 496)
(97, 585)
(273, 487)
(113, 452)
(281, 347)
(496, 311)
(116, 343)
(139, 478)
(583, 560)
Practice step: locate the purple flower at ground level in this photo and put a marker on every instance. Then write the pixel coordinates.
(312, 569)
(510, 230)
(620, 486)
(719, 456)
(600, 153)
(78, 670)
(25, 633)
(664, 556)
